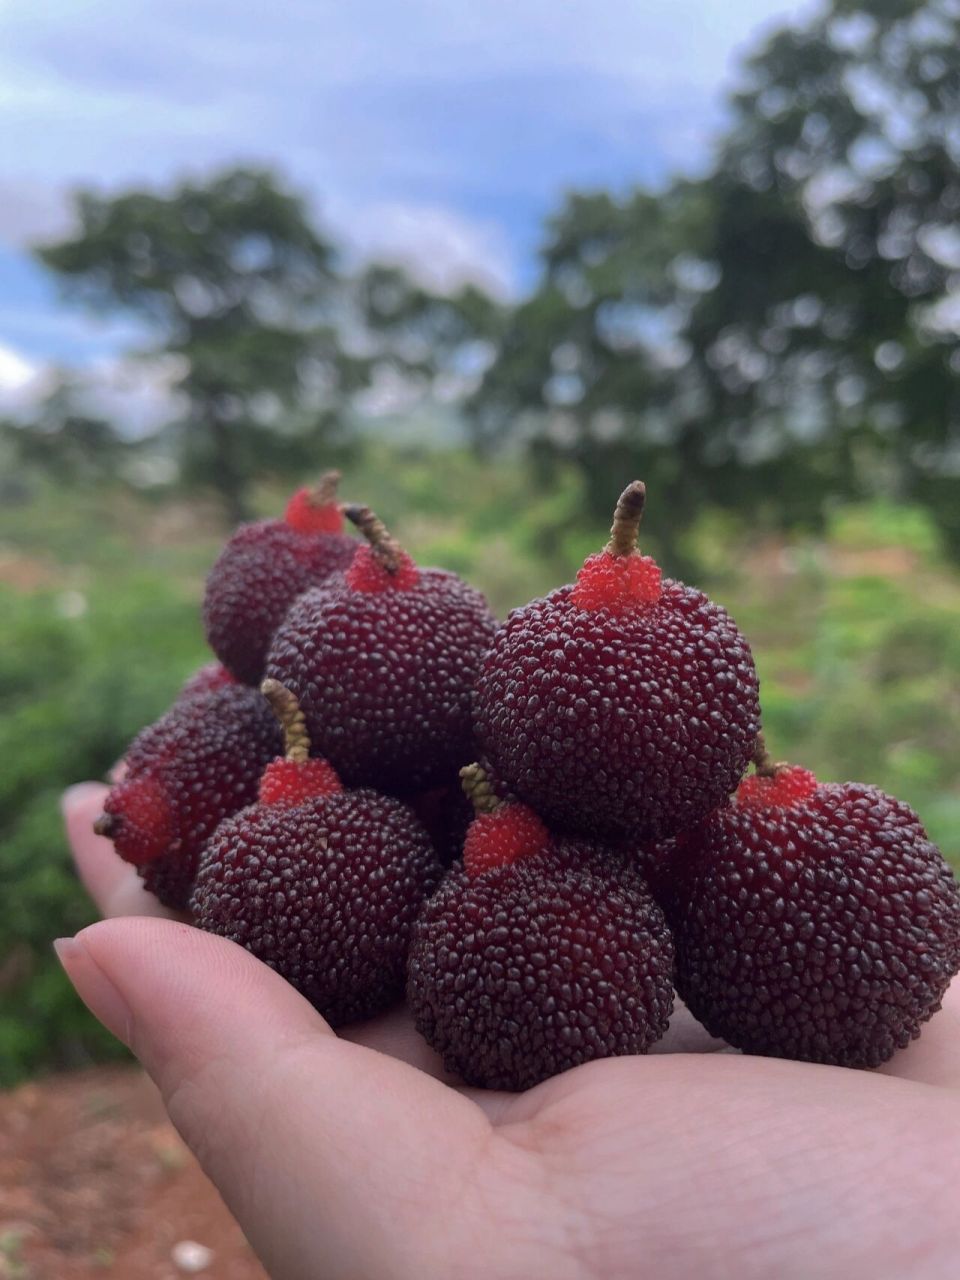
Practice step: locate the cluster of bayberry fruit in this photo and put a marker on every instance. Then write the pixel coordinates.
(537, 829)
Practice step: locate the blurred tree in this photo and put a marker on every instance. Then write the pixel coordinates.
(64, 440)
(786, 328)
(230, 279)
(836, 247)
(432, 346)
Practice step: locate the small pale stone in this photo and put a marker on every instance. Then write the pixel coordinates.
(191, 1257)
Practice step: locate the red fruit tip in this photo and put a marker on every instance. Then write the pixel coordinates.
(304, 514)
(509, 833)
(786, 788)
(368, 573)
(617, 582)
(291, 782)
(138, 818)
(210, 677)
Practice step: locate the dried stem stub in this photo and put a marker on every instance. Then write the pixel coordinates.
(478, 789)
(763, 762)
(626, 519)
(383, 544)
(324, 492)
(296, 740)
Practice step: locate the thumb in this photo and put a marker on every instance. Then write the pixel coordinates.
(325, 1151)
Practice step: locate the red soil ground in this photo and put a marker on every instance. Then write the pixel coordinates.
(95, 1182)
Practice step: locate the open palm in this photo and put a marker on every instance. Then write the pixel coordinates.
(353, 1156)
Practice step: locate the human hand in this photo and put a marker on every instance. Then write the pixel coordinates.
(354, 1156)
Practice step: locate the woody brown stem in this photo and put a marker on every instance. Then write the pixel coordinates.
(763, 762)
(296, 740)
(478, 790)
(626, 519)
(383, 544)
(106, 825)
(324, 492)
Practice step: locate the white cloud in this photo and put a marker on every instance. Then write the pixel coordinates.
(139, 394)
(441, 248)
(436, 134)
(15, 371)
(21, 381)
(132, 90)
(32, 211)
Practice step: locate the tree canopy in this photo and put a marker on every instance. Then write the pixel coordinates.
(785, 328)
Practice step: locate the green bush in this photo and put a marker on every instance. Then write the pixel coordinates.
(74, 688)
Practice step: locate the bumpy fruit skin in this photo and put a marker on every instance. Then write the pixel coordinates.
(213, 675)
(196, 765)
(618, 721)
(324, 892)
(509, 833)
(291, 782)
(256, 578)
(384, 676)
(823, 926)
(525, 971)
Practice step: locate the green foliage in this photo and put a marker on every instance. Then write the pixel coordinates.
(64, 442)
(857, 637)
(80, 673)
(273, 348)
(775, 336)
(230, 279)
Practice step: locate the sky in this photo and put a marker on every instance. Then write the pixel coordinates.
(436, 133)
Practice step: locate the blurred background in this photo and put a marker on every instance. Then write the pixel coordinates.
(493, 261)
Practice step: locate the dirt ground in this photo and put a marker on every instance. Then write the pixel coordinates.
(95, 1182)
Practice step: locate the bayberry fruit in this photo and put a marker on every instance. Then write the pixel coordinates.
(537, 954)
(382, 659)
(262, 570)
(196, 765)
(813, 920)
(626, 704)
(214, 675)
(320, 883)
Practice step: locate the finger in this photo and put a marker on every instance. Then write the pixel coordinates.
(322, 1148)
(935, 1057)
(112, 883)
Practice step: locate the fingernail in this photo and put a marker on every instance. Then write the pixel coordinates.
(94, 988)
(75, 796)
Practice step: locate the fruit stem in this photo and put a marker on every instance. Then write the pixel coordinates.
(478, 789)
(386, 549)
(296, 740)
(106, 825)
(763, 762)
(626, 519)
(324, 492)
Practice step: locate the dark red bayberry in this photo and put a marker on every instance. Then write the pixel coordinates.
(196, 765)
(262, 570)
(626, 704)
(320, 883)
(214, 675)
(383, 659)
(537, 955)
(813, 920)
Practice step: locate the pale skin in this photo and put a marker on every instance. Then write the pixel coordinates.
(353, 1157)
